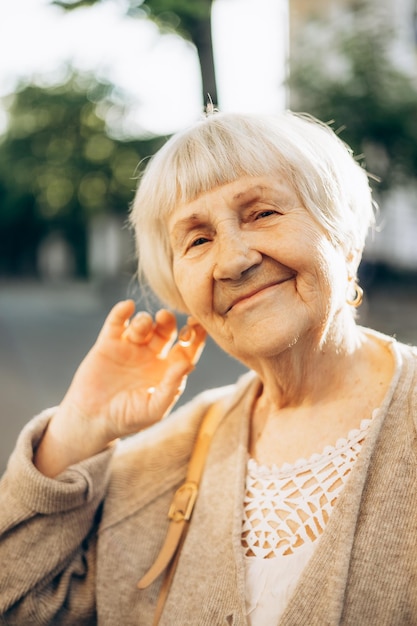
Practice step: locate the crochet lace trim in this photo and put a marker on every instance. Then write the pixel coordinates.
(287, 507)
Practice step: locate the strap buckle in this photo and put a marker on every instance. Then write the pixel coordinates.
(183, 502)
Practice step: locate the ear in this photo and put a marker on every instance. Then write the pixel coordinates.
(353, 259)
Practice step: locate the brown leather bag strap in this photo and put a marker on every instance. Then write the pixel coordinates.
(166, 583)
(181, 509)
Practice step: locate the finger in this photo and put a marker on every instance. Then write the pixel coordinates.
(165, 332)
(197, 346)
(140, 329)
(170, 388)
(114, 324)
(158, 335)
(191, 342)
(166, 323)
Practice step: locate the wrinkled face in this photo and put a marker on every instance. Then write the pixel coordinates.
(255, 269)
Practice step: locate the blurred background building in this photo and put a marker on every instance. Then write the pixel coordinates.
(355, 62)
(76, 128)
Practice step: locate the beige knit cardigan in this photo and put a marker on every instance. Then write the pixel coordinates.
(73, 548)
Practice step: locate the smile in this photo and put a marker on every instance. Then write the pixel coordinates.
(255, 292)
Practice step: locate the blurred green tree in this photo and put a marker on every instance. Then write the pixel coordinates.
(60, 165)
(191, 19)
(346, 71)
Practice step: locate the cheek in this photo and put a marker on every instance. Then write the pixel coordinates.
(179, 283)
(193, 287)
(321, 276)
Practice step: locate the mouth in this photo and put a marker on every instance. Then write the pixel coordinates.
(257, 290)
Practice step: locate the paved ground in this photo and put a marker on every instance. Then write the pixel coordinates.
(46, 329)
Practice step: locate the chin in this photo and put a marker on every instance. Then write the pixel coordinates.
(266, 347)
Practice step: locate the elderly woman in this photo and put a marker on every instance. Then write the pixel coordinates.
(306, 507)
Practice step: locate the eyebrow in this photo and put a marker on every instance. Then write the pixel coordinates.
(250, 195)
(243, 198)
(185, 225)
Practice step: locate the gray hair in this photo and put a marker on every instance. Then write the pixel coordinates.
(223, 147)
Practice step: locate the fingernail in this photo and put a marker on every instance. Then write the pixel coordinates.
(186, 336)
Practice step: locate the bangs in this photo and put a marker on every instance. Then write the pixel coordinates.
(214, 161)
(209, 156)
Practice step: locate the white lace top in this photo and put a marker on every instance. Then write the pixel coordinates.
(285, 511)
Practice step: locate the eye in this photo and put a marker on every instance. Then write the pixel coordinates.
(262, 214)
(198, 242)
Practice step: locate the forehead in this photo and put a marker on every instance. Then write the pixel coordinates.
(240, 193)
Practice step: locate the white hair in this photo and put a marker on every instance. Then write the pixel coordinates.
(223, 147)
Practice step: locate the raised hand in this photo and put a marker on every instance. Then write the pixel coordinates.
(130, 378)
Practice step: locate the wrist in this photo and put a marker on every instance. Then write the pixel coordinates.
(69, 439)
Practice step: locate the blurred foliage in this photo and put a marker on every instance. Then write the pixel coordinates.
(190, 19)
(346, 71)
(59, 166)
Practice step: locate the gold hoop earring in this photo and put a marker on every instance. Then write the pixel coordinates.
(358, 297)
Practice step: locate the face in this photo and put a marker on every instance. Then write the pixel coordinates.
(255, 269)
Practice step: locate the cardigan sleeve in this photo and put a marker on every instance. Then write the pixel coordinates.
(48, 536)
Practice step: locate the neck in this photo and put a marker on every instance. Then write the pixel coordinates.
(311, 399)
(312, 370)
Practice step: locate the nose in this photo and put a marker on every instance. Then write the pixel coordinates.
(234, 257)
